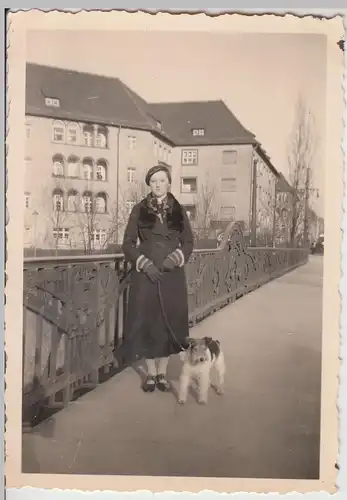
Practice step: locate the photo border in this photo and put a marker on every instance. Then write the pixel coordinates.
(333, 229)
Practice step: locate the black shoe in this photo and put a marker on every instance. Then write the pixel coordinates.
(162, 383)
(149, 384)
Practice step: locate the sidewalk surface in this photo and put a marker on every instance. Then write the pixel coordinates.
(265, 426)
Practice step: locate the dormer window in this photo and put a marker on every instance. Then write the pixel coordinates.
(159, 125)
(54, 103)
(198, 132)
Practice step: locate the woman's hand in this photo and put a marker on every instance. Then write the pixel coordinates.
(169, 264)
(152, 272)
(173, 260)
(146, 266)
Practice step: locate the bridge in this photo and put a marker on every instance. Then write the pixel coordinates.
(266, 425)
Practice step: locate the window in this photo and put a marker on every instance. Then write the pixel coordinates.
(88, 133)
(228, 184)
(155, 146)
(198, 131)
(284, 214)
(87, 169)
(50, 101)
(58, 131)
(191, 211)
(227, 213)
(188, 185)
(100, 141)
(100, 203)
(101, 138)
(58, 200)
(58, 166)
(87, 202)
(27, 200)
(73, 133)
(131, 174)
(72, 200)
(61, 235)
(159, 125)
(72, 166)
(129, 205)
(229, 157)
(165, 154)
(101, 168)
(99, 237)
(88, 138)
(189, 157)
(131, 142)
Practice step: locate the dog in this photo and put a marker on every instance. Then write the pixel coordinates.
(200, 356)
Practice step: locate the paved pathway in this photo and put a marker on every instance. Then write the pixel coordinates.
(266, 425)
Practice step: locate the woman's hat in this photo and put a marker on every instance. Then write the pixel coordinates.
(154, 170)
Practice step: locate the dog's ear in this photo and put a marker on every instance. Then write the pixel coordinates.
(208, 340)
(188, 341)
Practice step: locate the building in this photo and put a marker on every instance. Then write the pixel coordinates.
(90, 139)
(315, 226)
(211, 159)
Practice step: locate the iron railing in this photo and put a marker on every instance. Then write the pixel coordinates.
(74, 311)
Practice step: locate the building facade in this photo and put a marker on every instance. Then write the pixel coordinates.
(90, 140)
(285, 197)
(71, 179)
(213, 182)
(266, 182)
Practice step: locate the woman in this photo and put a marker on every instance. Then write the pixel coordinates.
(157, 316)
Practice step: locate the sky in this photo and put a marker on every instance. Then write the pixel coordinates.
(259, 76)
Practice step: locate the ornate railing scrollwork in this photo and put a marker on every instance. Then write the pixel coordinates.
(75, 308)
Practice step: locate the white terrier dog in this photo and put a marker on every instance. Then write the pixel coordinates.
(199, 358)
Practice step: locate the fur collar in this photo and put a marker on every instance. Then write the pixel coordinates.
(173, 213)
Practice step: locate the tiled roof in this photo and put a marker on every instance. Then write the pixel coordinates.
(106, 100)
(86, 97)
(219, 123)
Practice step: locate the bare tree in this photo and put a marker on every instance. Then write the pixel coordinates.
(137, 191)
(89, 225)
(94, 226)
(53, 205)
(282, 219)
(132, 194)
(206, 210)
(301, 151)
(86, 224)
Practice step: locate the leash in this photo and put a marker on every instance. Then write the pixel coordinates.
(124, 282)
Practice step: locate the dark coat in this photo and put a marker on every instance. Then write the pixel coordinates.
(146, 334)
